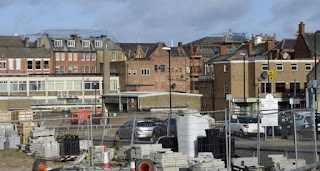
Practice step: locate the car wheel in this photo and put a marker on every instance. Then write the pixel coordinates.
(241, 133)
(117, 136)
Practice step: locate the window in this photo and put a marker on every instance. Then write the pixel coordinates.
(91, 85)
(114, 56)
(62, 69)
(75, 69)
(226, 90)
(2, 65)
(294, 67)
(83, 69)
(162, 68)
(134, 72)
(62, 55)
(93, 69)
(145, 71)
(292, 87)
(18, 64)
(129, 72)
(71, 43)
(38, 65)
(69, 56)
(57, 69)
(113, 85)
(10, 64)
(268, 87)
(3, 86)
(87, 69)
(279, 67)
(280, 87)
(75, 56)
(29, 64)
(156, 68)
(225, 68)
(264, 67)
(70, 69)
(46, 64)
(308, 67)
(94, 57)
(196, 85)
(37, 85)
(98, 43)
(88, 56)
(18, 85)
(57, 43)
(57, 56)
(83, 56)
(85, 43)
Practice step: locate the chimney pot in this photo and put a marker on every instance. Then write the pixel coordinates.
(301, 28)
(74, 36)
(26, 42)
(249, 50)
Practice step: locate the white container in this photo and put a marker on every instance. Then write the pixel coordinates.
(190, 126)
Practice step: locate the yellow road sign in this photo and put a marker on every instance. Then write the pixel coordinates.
(270, 72)
(270, 78)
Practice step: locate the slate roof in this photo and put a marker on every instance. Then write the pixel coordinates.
(18, 52)
(147, 48)
(176, 51)
(289, 43)
(208, 41)
(309, 39)
(257, 50)
(11, 41)
(219, 58)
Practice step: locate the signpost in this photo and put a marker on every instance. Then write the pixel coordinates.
(270, 74)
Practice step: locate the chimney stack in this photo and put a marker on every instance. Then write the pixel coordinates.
(160, 45)
(223, 50)
(249, 50)
(301, 28)
(26, 42)
(180, 45)
(74, 36)
(269, 44)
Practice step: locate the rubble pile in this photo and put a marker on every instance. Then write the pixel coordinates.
(283, 163)
(206, 161)
(42, 143)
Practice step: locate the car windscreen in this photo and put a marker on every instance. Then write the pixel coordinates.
(146, 124)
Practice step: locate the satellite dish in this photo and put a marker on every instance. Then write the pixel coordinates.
(264, 74)
(285, 55)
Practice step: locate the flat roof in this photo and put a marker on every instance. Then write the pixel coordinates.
(147, 94)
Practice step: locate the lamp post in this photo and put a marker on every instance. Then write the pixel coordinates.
(169, 115)
(95, 100)
(244, 78)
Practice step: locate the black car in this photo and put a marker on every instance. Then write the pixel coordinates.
(161, 130)
(157, 121)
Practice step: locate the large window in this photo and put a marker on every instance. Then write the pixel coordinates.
(37, 85)
(69, 56)
(87, 56)
(57, 69)
(280, 87)
(2, 65)
(85, 43)
(18, 64)
(145, 71)
(75, 69)
(57, 43)
(225, 68)
(83, 69)
(83, 56)
(62, 56)
(91, 85)
(268, 88)
(18, 86)
(114, 56)
(98, 43)
(113, 84)
(70, 69)
(10, 64)
(162, 68)
(46, 64)
(62, 69)
(38, 64)
(3, 86)
(87, 69)
(294, 86)
(57, 56)
(93, 69)
(75, 56)
(29, 64)
(279, 67)
(94, 56)
(71, 43)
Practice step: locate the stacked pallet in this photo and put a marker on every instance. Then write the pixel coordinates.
(167, 160)
(5, 116)
(23, 128)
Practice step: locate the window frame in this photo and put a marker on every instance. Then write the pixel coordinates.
(28, 65)
(46, 66)
(71, 43)
(85, 43)
(98, 43)
(58, 43)
(282, 89)
(279, 65)
(263, 66)
(294, 65)
(307, 65)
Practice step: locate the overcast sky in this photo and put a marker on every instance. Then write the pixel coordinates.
(161, 20)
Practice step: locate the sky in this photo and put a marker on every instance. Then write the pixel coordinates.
(169, 21)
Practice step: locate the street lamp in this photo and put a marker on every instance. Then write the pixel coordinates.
(169, 115)
(244, 77)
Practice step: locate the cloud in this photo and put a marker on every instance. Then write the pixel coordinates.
(166, 19)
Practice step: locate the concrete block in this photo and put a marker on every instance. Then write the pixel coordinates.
(84, 145)
(10, 133)
(1, 146)
(13, 142)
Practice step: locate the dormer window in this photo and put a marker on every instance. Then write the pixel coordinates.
(85, 43)
(71, 43)
(98, 43)
(57, 43)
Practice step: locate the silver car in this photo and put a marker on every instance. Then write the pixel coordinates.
(143, 129)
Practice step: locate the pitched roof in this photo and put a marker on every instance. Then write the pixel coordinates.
(309, 39)
(178, 52)
(257, 50)
(11, 41)
(208, 41)
(17, 52)
(147, 48)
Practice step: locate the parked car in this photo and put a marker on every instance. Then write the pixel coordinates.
(245, 125)
(143, 129)
(283, 125)
(157, 121)
(303, 120)
(161, 130)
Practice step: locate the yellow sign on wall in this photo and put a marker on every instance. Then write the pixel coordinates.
(270, 78)
(270, 72)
